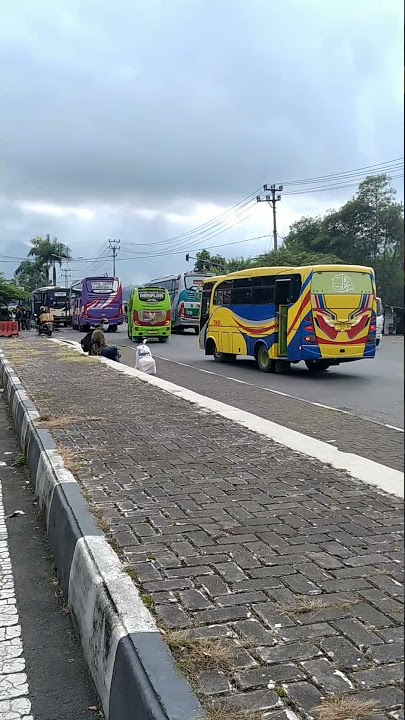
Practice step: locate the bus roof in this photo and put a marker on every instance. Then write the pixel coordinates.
(50, 287)
(279, 270)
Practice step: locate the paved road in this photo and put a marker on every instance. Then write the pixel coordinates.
(369, 389)
(43, 675)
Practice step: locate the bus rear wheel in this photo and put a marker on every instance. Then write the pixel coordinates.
(317, 366)
(220, 357)
(265, 363)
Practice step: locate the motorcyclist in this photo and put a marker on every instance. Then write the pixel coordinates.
(44, 316)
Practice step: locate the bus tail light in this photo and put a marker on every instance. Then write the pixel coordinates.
(135, 317)
(181, 309)
(85, 313)
(309, 328)
(168, 317)
(310, 339)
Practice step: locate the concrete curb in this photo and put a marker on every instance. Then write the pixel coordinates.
(131, 666)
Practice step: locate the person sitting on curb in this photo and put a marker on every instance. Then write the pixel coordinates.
(99, 345)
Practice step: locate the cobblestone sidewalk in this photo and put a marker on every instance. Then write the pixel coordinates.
(295, 567)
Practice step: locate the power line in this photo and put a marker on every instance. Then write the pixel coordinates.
(271, 199)
(367, 169)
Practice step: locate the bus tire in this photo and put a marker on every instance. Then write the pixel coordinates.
(317, 366)
(197, 331)
(113, 328)
(220, 357)
(163, 339)
(377, 342)
(265, 363)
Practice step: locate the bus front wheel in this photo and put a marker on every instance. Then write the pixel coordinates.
(264, 362)
(317, 366)
(163, 339)
(220, 357)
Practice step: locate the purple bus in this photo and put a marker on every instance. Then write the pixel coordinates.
(94, 298)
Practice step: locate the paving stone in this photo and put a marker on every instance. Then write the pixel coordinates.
(372, 617)
(327, 677)
(304, 696)
(288, 652)
(300, 584)
(194, 600)
(173, 616)
(255, 700)
(268, 676)
(213, 682)
(306, 632)
(384, 675)
(254, 631)
(345, 655)
(358, 633)
(384, 698)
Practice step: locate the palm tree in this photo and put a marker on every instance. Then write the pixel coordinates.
(48, 253)
(30, 275)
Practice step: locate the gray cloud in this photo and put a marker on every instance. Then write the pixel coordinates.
(161, 104)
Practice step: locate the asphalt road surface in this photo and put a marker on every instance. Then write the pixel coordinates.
(371, 389)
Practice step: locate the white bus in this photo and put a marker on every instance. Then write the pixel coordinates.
(185, 297)
(380, 321)
(56, 299)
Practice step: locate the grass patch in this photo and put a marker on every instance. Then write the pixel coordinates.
(279, 690)
(307, 604)
(195, 655)
(20, 461)
(345, 708)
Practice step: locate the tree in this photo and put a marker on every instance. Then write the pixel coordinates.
(367, 230)
(205, 262)
(10, 292)
(49, 253)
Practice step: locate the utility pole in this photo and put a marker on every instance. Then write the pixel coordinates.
(271, 200)
(114, 246)
(67, 275)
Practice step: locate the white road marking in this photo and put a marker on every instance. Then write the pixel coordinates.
(368, 471)
(14, 700)
(277, 392)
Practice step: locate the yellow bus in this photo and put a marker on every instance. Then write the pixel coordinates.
(321, 314)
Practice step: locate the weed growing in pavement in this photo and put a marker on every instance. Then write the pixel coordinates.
(194, 655)
(148, 601)
(279, 690)
(224, 713)
(131, 572)
(65, 421)
(20, 461)
(345, 708)
(307, 604)
(70, 460)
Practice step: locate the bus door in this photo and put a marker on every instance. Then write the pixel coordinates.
(282, 295)
(204, 311)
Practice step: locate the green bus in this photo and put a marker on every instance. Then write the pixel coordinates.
(149, 314)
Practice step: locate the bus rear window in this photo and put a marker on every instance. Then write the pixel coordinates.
(340, 282)
(102, 287)
(151, 296)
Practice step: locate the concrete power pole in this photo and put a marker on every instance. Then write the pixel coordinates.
(67, 275)
(114, 246)
(271, 200)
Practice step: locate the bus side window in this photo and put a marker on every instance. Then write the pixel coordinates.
(241, 293)
(222, 295)
(263, 290)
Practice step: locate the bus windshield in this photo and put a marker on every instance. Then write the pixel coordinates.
(194, 282)
(57, 298)
(341, 283)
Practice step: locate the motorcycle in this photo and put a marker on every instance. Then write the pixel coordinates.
(45, 328)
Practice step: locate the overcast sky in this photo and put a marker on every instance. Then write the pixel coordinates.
(141, 120)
